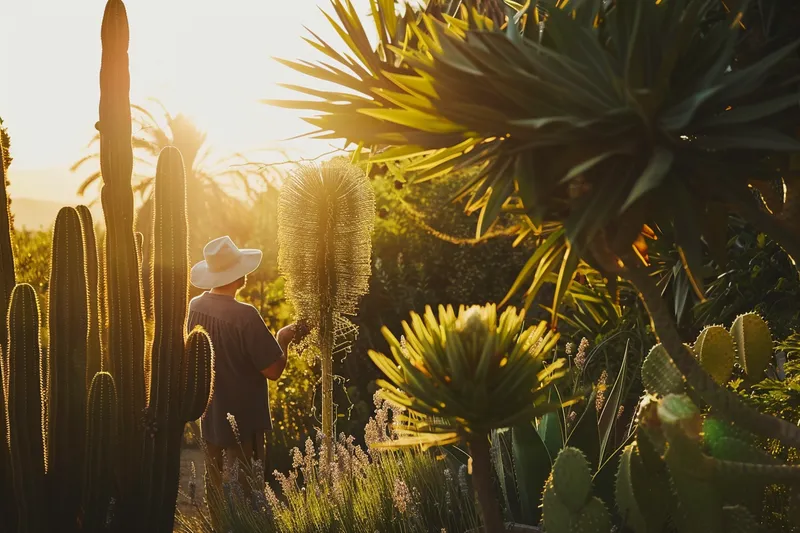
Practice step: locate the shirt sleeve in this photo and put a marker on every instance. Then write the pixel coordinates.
(261, 345)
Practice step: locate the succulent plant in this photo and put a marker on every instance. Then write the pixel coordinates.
(714, 347)
(465, 374)
(104, 472)
(753, 344)
(660, 376)
(567, 502)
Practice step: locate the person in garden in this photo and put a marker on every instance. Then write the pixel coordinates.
(246, 355)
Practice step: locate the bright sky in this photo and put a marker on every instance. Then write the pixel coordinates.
(208, 59)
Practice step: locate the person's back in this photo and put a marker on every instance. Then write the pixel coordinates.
(246, 354)
(243, 347)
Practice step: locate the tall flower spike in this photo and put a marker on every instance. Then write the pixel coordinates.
(326, 215)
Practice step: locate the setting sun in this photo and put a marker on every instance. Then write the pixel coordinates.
(206, 61)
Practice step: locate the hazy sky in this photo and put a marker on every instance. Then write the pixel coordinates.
(206, 58)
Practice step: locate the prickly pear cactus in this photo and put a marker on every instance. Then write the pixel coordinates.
(642, 494)
(568, 505)
(660, 376)
(753, 344)
(717, 353)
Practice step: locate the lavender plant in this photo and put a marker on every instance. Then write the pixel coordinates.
(391, 491)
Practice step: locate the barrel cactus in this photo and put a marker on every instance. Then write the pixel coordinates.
(568, 504)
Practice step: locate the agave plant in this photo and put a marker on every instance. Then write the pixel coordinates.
(466, 374)
(607, 118)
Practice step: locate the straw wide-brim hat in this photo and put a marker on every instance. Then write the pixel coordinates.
(224, 263)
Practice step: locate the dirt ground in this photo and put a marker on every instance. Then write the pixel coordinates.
(189, 455)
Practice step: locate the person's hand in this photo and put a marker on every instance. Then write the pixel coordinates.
(299, 331)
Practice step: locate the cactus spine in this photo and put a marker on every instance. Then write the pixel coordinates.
(94, 353)
(568, 504)
(68, 322)
(25, 414)
(753, 344)
(99, 490)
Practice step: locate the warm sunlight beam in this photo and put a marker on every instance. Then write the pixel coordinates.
(204, 58)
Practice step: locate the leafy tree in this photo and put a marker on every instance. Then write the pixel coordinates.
(582, 118)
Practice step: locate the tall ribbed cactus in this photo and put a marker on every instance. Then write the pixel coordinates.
(169, 269)
(94, 353)
(68, 324)
(126, 340)
(326, 214)
(99, 489)
(7, 280)
(90, 466)
(28, 460)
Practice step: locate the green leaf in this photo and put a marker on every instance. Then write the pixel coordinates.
(608, 416)
(657, 168)
(531, 467)
(568, 267)
(748, 138)
(533, 262)
(750, 113)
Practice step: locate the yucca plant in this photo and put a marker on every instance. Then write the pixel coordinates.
(464, 375)
(609, 119)
(325, 220)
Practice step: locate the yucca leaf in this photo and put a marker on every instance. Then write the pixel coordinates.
(748, 138)
(608, 416)
(568, 267)
(651, 177)
(749, 113)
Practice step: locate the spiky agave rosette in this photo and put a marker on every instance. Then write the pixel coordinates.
(468, 373)
(325, 220)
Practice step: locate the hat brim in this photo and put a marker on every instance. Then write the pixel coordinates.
(202, 278)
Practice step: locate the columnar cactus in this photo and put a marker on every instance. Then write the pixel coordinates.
(169, 268)
(714, 347)
(94, 353)
(568, 504)
(113, 475)
(99, 489)
(68, 324)
(197, 376)
(126, 339)
(753, 344)
(25, 417)
(7, 280)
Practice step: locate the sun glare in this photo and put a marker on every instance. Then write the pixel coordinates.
(210, 61)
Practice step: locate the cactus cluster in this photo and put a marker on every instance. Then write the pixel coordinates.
(91, 446)
(567, 504)
(748, 342)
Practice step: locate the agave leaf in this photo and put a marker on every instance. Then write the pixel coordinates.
(532, 465)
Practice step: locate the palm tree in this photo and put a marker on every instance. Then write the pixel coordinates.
(217, 191)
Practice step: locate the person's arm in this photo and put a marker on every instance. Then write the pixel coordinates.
(286, 335)
(265, 352)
